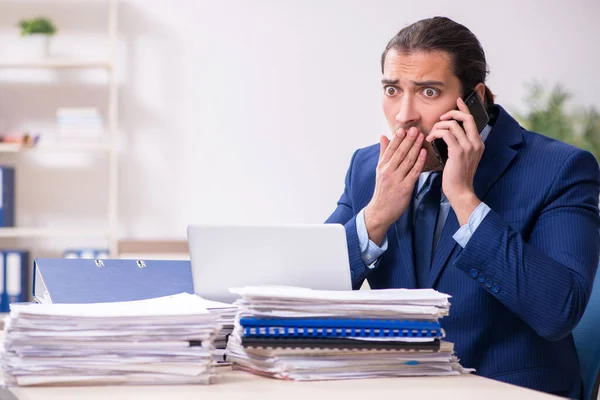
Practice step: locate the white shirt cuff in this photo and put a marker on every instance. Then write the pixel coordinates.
(465, 232)
(369, 251)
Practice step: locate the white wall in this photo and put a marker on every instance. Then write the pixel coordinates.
(249, 111)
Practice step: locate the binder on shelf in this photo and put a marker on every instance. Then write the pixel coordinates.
(16, 277)
(7, 197)
(3, 301)
(63, 280)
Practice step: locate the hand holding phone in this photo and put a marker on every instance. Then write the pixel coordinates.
(481, 117)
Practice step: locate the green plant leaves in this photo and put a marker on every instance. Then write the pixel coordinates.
(40, 25)
(548, 114)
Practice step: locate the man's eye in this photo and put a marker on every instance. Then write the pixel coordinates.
(391, 91)
(430, 92)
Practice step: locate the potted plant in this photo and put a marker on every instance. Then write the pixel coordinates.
(36, 34)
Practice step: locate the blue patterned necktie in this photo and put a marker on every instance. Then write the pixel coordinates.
(425, 222)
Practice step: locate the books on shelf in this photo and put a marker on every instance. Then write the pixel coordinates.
(7, 197)
(53, 62)
(79, 123)
(14, 277)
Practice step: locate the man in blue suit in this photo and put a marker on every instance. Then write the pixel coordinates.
(513, 234)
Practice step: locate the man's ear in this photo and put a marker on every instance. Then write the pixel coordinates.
(480, 89)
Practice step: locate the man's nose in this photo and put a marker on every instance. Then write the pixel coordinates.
(408, 114)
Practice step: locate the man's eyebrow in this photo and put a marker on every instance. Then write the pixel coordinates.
(416, 83)
(428, 83)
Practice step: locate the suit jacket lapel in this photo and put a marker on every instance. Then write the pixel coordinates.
(495, 161)
(497, 156)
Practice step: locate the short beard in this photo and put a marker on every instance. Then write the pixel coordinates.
(431, 162)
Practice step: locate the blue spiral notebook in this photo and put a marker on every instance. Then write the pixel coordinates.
(338, 327)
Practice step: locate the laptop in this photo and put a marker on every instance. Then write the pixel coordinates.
(313, 256)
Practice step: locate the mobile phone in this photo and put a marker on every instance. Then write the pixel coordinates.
(481, 117)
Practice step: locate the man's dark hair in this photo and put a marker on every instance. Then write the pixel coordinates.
(442, 34)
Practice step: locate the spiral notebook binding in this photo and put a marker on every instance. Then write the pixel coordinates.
(299, 331)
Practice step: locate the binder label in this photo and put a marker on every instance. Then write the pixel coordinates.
(13, 276)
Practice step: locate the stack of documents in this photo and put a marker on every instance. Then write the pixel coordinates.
(303, 334)
(167, 340)
(226, 314)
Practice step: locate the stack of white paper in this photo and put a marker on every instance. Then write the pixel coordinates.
(303, 334)
(226, 315)
(167, 340)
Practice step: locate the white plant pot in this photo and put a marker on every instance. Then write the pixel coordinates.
(35, 47)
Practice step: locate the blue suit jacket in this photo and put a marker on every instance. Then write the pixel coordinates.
(523, 281)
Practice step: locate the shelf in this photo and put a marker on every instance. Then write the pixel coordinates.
(21, 69)
(54, 148)
(50, 232)
(58, 63)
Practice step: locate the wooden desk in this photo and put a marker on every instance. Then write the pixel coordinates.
(237, 385)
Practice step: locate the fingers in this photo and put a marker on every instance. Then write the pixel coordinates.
(417, 168)
(446, 136)
(463, 115)
(456, 130)
(383, 144)
(392, 146)
(460, 103)
(404, 149)
(408, 162)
